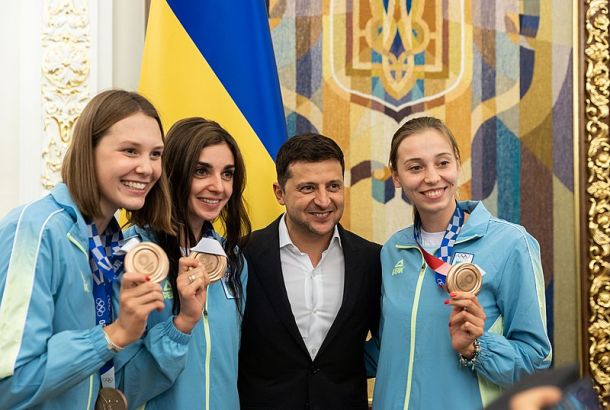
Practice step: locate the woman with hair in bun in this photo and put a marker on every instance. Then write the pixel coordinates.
(453, 336)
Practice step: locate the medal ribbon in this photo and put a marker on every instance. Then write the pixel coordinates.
(104, 265)
(441, 265)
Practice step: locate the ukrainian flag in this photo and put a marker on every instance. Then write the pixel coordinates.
(214, 59)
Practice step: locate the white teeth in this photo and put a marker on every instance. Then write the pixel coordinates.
(210, 201)
(134, 185)
(320, 213)
(433, 194)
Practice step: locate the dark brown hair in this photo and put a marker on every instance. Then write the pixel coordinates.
(78, 169)
(308, 147)
(185, 141)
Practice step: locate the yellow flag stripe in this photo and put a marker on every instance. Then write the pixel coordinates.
(180, 82)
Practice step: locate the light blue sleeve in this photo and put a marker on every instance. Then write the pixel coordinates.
(518, 344)
(150, 366)
(47, 361)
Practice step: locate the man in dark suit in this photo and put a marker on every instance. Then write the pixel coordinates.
(313, 291)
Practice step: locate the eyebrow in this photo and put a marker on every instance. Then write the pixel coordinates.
(334, 181)
(442, 154)
(137, 144)
(207, 165)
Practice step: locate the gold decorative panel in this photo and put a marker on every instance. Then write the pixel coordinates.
(66, 44)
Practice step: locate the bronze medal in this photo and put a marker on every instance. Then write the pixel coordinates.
(464, 277)
(110, 399)
(214, 265)
(149, 259)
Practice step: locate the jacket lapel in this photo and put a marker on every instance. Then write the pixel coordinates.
(269, 272)
(352, 281)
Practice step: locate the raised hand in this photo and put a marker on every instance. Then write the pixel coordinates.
(466, 322)
(138, 298)
(192, 283)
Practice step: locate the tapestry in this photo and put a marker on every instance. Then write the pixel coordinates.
(498, 73)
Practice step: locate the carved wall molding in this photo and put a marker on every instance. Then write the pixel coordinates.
(66, 66)
(597, 197)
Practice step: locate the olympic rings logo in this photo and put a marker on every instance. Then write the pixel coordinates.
(100, 308)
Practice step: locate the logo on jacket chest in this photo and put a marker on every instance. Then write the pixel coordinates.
(462, 257)
(398, 267)
(167, 290)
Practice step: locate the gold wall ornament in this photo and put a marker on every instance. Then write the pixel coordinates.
(66, 45)
(597, 147)
(387, 26)
(382, 52)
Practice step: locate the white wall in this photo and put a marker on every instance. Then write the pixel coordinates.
(116, 38)
(9, 104)
(128, 42)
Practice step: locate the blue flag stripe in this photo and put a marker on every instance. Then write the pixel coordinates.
(244, 63)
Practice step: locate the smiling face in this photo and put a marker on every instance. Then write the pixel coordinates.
(427, 170)
(127, 164)
(313, 196)
(211, 185)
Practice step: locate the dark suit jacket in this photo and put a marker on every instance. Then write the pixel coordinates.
(275, 369)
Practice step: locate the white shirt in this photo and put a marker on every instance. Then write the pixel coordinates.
(431, 241)
(315, 294)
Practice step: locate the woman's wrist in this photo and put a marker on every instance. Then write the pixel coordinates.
(467, 352)
(471, 361)
(184, 324)
(116, 336)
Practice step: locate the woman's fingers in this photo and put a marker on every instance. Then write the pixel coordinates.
(138, 298)
(193, 280)
(185, 264)
(467, 306)
(133, 279)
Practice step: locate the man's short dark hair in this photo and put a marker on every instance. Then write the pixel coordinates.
(308, 147)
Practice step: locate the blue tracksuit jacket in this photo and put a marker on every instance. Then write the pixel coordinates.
(416, 366)
(209, 380)
(51, 347)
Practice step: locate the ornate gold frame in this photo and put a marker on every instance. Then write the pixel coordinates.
(595, 199)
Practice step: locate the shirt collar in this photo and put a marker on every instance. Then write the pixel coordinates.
(285, 240)
(475, 226)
